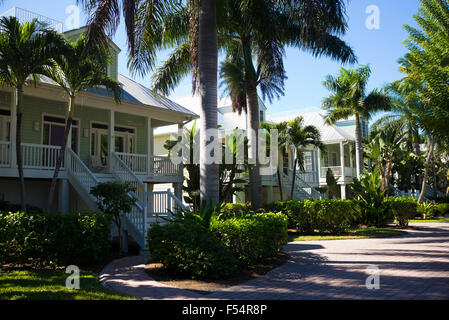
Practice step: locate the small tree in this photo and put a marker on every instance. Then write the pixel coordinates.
(114, 199)
(332, 184)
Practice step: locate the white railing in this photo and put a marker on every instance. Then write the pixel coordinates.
(125, 175)
(350, 172)
(39, 156)
(309, 177)
(136, 162)
(305, 187)
(335, 170)
(5, 154)
(80, 171)
(163, 166)
(162, 203)
(27, 16)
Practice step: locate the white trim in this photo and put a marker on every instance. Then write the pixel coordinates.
(78, 126)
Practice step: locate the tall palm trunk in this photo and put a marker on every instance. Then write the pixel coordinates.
(280, 184)
(294, 178)
(68, 127)
(208, 82)
(19, 97)
(358, 146)
(253, 145)
(435, 183)
(426, 170)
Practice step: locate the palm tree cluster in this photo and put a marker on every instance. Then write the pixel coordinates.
(31, 50)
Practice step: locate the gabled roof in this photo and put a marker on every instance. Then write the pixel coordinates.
(328, 132)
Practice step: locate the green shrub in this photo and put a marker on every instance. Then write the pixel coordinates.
(426, 210)
(441, 199)
(254, 238)
(235, 210)
(299, 217)
(403, 209)
(43, 239)
(187, 249)
(442, 208)
(334, 216)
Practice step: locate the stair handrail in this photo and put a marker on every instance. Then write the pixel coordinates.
(73, 157)
(314, 193)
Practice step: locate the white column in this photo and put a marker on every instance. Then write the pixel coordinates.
(342, 160)
(319, 165)
(178, 186)
(351, 159)
(63, 197)
(343, 192)
(13, 130)
(111, 144)
(150, 146)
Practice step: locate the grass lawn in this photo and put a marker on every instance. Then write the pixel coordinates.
(352, 234)
(28, 284)
(438, 219)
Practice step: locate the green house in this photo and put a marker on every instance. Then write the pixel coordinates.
(109, 142)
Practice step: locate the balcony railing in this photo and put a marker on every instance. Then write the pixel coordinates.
(337, 171)
(39, 156)
(5, 154)
(27, 16)
(160, 166)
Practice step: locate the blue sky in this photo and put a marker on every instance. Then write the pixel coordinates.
(303, 91)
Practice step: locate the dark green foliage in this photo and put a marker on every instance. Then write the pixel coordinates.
(371, 199)
(236, 210)
(115, 199)
(334, 216)
(187, 249)
(43, 239)
(254, 238)
(6, 206)
(443, 199)
(403, 209)
(442, 208)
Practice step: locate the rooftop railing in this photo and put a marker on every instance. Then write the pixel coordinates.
(27, 16)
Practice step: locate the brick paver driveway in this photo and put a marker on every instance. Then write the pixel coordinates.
(415, 266)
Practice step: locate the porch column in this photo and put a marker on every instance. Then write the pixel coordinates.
(178, 186)
(111, 136)
(63, 197)
(343, 192)
(13, 130)
(150, 146)
(342, 159)
(319, 165)
(270, 193)
(351, 159)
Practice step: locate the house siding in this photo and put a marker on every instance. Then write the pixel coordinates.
(34, 109)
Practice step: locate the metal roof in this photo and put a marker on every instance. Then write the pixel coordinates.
(136, 93)
(328, 132)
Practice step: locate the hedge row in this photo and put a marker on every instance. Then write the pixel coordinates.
(253, 238)
(53, 239)
(334, 216)
(189, 249)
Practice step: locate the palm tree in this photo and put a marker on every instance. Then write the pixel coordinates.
(282, 144)
(80, 67)
(382, 150)
(349, 98)
(25, 49)
(255, 51)
(301, 136)
(144, 39)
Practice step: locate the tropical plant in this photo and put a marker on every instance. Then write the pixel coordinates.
(382, 150)
(79, 68)
(229, 173)
(371, 197)
(254, 51)
(332, 184)
(25, 49)
(115, 200)
(281, 128)
(425, 64)
(349, 98)
(301, 136)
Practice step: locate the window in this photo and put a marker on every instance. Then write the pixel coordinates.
(334, 159)
(53, 132)
(308, 162)
(285, 162)
(326, 159)
(5, 125)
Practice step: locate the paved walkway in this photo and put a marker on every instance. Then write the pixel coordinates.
(415, 266)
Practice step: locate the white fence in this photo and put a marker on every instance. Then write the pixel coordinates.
(5, 154)
(39, 156)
